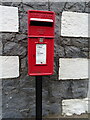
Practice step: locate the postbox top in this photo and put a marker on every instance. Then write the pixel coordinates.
(41, 23)
(42, 15)
(36, 11)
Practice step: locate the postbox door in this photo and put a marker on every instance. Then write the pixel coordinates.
(41, 55)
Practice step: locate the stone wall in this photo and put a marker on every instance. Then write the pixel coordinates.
(18, 94)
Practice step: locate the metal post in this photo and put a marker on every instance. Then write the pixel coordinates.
(38, 97)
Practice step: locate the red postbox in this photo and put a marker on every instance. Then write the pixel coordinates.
(40, 42)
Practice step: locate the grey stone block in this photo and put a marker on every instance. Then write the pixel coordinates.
(55, 108)
(12, 48)
(12, 114)
(74, 52)
(75, 6)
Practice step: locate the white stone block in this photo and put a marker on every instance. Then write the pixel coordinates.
(73, 68)
(68, 1)
(34, 1)
(75, 24)
(9, 19)
(9, 67)
(11, 1)
(74, 106)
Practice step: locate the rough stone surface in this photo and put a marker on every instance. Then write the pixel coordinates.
(74, 52)
(19, 93)
(17, 96)
(80, 88)
(75, 6)
(87, 8)
(57, 7)
(12, 48)
(1, 46)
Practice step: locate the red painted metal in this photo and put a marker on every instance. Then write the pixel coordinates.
(40, 26)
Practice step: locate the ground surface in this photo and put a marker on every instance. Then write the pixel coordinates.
(62, 117)
(82, 117)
